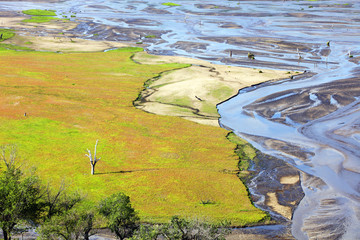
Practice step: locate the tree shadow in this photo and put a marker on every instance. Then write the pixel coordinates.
(128, 171)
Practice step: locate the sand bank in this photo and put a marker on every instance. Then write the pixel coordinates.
(193, 93)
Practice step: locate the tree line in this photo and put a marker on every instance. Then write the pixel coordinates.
(57, 213)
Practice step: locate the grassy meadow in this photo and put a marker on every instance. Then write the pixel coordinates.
(40, 16)
(168, 166)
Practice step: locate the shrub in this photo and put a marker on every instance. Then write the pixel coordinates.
(122, 218)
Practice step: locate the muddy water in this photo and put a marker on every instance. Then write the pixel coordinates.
(315, 118)
(319, 115)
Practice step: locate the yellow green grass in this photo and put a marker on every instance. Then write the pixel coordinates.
(246, 153)
(39, 19)
(40, 16)
(167, 165)
(6, 34)
(170, 4)
(39, 12)
(5, 47)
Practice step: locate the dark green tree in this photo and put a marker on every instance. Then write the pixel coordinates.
(66, 216)
(181, 229)
(147, 232)
(76, 223)
(122, 218)
(20, 196)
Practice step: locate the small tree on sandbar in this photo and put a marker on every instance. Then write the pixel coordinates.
(93, 159)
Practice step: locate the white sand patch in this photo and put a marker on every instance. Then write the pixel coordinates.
(289, 179)
(274, 204)
(63, 44)
(200, 87)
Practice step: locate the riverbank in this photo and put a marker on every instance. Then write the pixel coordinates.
(193, 93)
(50, 36)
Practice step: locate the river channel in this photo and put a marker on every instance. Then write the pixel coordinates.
(311, 122)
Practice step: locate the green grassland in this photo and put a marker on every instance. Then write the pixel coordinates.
(5, 47)
(39, 12)
(39, 19)
(170, 4)
(40, 16)
(167, 165)
(6, 34)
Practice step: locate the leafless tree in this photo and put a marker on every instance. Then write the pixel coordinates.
(8, 155)
(93, 159)
(52, 199)
(60, 200)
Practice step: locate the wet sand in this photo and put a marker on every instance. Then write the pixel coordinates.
(312, 102)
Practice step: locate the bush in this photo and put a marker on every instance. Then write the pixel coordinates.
(122, 218)
(181, 229)
(74, 224)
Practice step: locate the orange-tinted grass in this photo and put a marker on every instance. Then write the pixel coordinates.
(168, 166)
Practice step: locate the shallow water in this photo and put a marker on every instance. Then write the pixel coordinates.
(319, 114)
(211, 29)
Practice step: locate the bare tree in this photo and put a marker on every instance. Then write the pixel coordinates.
(8, 155)
(58, 201)
(93, 160)
(53, 198)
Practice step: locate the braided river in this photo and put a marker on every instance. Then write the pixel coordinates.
(310, 121)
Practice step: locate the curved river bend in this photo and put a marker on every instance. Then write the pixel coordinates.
(313, 123)
(318, 116)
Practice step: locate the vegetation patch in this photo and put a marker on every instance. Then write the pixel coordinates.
(170, 4)
(39, 12)
(179, 101)
(209, 108)
(5, 47)
(127, 49)
(40, 16)
(39, 19)
(6, 34)
(150, 36)
(221, 92)
(166, 165)
(246, 153)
